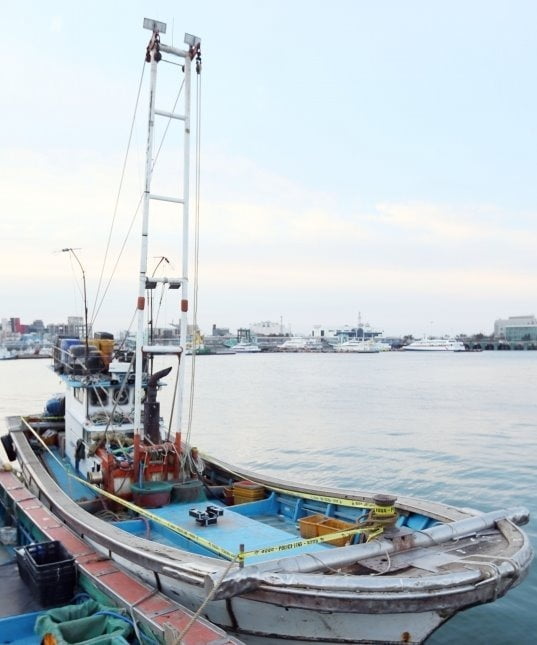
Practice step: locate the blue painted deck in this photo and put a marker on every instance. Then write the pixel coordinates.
(253, 524)
(232, 529)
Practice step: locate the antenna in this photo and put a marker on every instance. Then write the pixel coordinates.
(72, 251)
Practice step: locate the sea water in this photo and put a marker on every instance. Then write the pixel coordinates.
(454, 428)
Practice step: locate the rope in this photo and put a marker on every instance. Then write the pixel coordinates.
(172, 407)
(196, 255)
(133, 219)
(127, 235)
(167, 125)
(209, 597)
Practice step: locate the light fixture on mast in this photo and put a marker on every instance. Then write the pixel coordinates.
(192, 41)
(154, 25)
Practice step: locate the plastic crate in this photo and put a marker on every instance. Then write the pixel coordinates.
(49, 571)
(246, 491)
(309, 525)
(332, 526)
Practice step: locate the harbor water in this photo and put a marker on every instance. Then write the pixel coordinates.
(455, 428)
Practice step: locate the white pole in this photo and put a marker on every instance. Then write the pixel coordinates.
(143, 252)
(179, 395)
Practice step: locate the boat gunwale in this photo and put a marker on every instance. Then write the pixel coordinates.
(201, 570)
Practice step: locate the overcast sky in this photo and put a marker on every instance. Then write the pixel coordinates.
(356, 157)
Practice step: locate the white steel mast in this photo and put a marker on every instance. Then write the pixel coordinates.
(153, 57)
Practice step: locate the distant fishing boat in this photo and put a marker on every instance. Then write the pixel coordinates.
(268, 559)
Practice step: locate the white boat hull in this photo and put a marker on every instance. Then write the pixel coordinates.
(259, 622)
(281, 601)
(435, 345)
(307, 617)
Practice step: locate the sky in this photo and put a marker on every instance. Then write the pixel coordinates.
(357, 159)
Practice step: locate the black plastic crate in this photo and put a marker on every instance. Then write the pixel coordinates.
(49, 571)
(48, 554)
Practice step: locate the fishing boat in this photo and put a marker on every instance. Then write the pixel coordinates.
(266, 559)
(435, 345)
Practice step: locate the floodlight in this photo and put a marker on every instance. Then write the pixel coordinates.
(192, 41)
(155, 25)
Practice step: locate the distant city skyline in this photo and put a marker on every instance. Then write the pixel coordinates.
(275, 326)
(357, 157)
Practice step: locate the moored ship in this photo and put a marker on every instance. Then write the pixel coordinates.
(266, 558)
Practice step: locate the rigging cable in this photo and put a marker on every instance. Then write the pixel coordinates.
(196, 246)
(116, 206)
(167, 125)
(127, 235)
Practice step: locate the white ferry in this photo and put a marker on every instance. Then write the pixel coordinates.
(435, 345)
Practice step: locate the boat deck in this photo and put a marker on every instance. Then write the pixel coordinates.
(232, 529)
(256, 529)
(148, 606)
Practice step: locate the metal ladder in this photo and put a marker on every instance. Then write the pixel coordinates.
(154, 56)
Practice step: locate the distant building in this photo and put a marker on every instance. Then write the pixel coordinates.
(74, 328)
(15, 325)
(220, 331)
(516, 328)
(37, 327)
(344, 333)
(323, 332)
(267, 328)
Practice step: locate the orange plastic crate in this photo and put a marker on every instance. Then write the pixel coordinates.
(332, 526)
(309, 526)
(247, 491)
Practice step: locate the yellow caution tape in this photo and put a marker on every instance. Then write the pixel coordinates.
(371, 532)
(340, 501)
